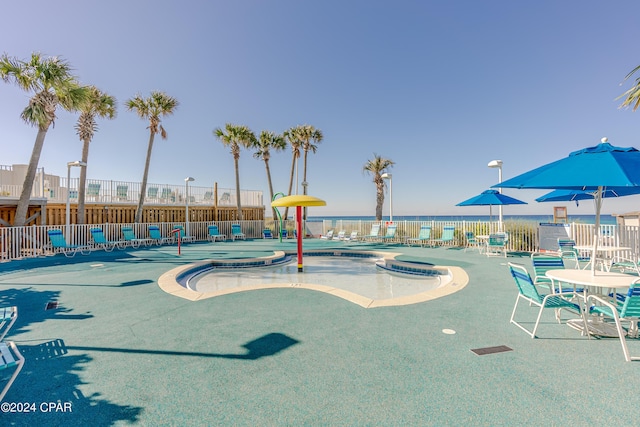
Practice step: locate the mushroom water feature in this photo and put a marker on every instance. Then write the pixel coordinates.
(298, 201)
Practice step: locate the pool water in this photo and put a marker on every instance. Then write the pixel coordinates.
(357, 275)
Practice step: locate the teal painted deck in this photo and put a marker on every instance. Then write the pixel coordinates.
(123, 352)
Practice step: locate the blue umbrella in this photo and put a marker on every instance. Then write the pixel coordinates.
(576, 195)
(598, 168)
(491, 198)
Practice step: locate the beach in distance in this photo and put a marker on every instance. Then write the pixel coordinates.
(584, 219)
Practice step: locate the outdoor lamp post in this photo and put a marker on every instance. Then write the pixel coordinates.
(77, 163)
(498, 164)
(187, 180)
(389, 177)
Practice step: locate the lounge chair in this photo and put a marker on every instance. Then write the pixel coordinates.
(266, 234)
(59, 244)
(390, 234)
(10, 357)
(448, 232)
(130, 238)
(529, 292)
(152, 194)
(8, 316)
(93, 191)
(100, 241)
(627, 310)
(497, 244)
(351, 237)
(284, 233)
(328, 236)
(184, 238)
(374, 234)
(214, 234)
(424, 236)
(340, 236)
(122, 192)
(156, 235)
(236, 232)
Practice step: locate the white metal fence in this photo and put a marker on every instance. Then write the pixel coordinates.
(32, 241)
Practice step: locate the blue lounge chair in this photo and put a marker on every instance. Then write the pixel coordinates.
(567, 250)
(10, 357)
(284, 233)
(156, 235)
(214, 234)
(184, 238)
(424, 236)
(390, 234)
(93, 191)
(627, 310)
(130, 237)
(59, 244)
(448, 232)
(8, 316)
(374, 234)
(122, 192)
(236, 232)
(529, 292)
(266, 234)
(100, 241)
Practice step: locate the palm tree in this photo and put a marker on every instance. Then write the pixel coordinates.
(308, 134)
(263, 145)
(235, 137)
(376, 167)
(632, 96)
(53, 85)
(295, 141)
(152, 108)
(101, 105)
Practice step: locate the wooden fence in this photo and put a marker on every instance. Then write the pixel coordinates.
(55, 214)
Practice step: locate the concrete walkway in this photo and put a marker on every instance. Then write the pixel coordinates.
(121, 351)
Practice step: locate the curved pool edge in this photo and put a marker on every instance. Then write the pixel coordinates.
(168, 282)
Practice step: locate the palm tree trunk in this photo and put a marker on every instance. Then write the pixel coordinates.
(379, 201)
(266, 165)
(293, 168)
(83, 183)
(25, 197)
(235, 161)
(304, 187)
(143, 186)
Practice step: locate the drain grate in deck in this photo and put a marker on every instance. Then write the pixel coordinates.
(491, 350)
(51, 305)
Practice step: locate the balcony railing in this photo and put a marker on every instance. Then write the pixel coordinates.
(55, 190)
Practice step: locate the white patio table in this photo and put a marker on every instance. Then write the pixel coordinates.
(595, 281)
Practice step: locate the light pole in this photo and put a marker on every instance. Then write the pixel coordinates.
(389, 177)
(187, 180)
(77, 163)
(498, 164)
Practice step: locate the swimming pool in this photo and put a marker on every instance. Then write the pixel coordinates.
(369, 279)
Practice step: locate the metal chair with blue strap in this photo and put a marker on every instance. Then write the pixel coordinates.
(10, 357)
(625, 310)
(214, 234)
(528, 291)
(100, 241)
(424, 236)
(236, 232)
(59, 243)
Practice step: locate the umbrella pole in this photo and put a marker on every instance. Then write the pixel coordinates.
(598, 202)
(299, 226)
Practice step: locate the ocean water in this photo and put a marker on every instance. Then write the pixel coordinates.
(584, 219)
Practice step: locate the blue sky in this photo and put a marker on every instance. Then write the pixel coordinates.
(440, 87)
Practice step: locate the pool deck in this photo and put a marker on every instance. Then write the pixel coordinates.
(124, 352)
